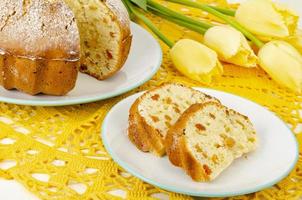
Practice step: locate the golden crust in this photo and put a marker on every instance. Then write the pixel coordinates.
(38, 76)
(137, 132)
(40, 47)
(173, 144)
(145, 137)
(124, 52)
(38, 29)
(176, 145)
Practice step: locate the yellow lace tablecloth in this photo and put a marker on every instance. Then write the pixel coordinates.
(57, 153)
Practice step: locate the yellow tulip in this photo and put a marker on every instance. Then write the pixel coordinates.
(296, 40)
(283, 63)
(195, 60)
(267, 19)
(231, 46)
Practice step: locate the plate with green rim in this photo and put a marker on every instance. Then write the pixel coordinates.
(144, 60)
(274, 158)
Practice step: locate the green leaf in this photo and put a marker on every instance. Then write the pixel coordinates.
(140, 3)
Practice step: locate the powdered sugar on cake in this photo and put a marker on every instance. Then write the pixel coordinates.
(38, 29)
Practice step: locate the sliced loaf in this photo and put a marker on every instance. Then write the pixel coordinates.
(207, 138)
(156, 111)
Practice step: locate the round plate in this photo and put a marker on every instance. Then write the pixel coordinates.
(273, 160)
(140, 66)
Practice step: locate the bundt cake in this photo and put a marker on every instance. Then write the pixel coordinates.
(39, 46)
(43, 43)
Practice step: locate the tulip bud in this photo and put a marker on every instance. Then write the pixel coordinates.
(231, 46)
(267, 19)
(283, 63)
(195, 60)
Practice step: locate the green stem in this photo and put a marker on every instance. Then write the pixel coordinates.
(177, 15)
(149, 24)
(225, 11)
(128, 9)
(228, 20)
(192, 27)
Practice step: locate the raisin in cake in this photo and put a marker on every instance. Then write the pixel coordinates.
(156, 111)
(207, 138)
(39, 46)
(104, 27)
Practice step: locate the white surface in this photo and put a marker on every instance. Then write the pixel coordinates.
(273, 159)
(143, 61)
(12, 190)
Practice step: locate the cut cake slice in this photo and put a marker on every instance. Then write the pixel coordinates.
(156, 111)
(207, 138)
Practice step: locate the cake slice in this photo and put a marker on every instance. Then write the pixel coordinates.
(105, 35)
(156, 111)
(207, 138)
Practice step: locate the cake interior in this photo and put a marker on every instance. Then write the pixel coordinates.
(216, 136)
(99, 36)
(162, 107)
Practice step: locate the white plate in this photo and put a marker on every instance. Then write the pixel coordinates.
(274, 158)
(143, 62)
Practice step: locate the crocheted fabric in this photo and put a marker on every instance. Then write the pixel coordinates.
(57, 152)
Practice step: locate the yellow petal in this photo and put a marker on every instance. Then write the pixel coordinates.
(267, 19)
(283, 63)
(195, 60)
(296, 40)
(290, 17)
(230, 45)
